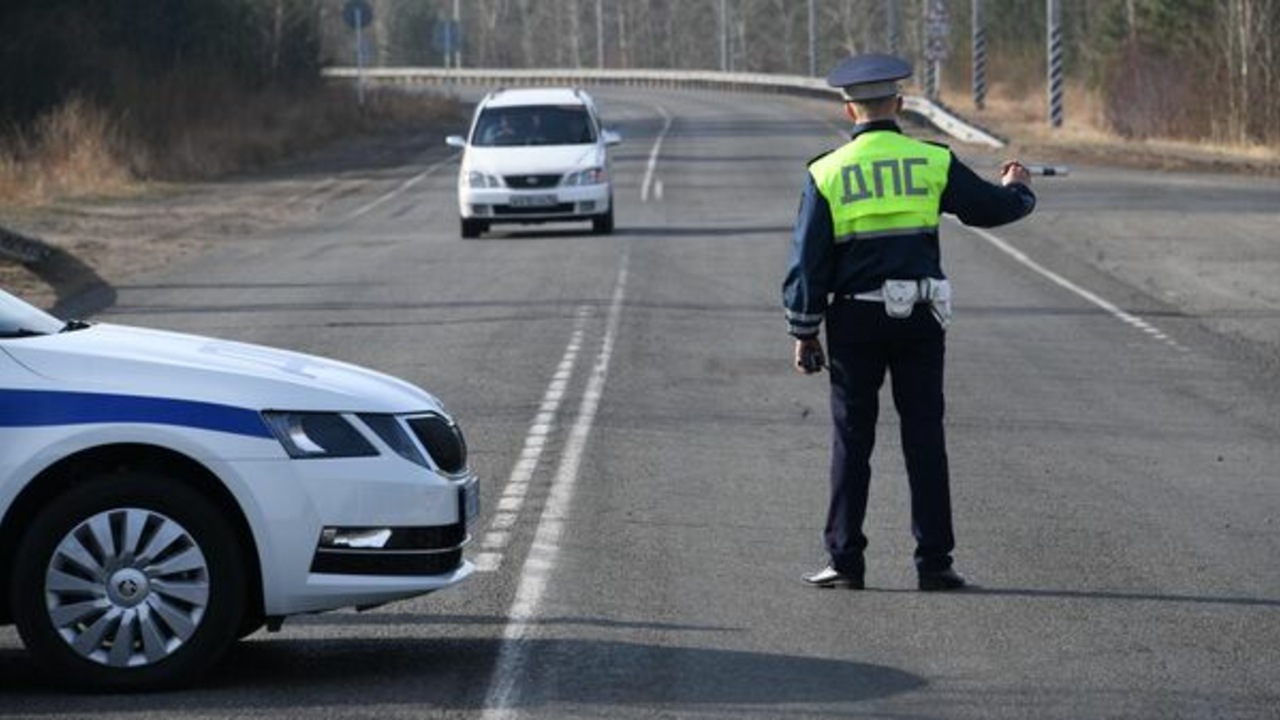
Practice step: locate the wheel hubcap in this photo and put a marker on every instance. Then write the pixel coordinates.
(127, 587)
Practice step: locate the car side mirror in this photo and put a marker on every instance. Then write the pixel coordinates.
(610, 137)
(456, 141)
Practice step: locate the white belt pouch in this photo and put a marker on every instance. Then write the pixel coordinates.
(900, 296)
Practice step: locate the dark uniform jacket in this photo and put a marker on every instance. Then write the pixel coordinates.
(820, 268)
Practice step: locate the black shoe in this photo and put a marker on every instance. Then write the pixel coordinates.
(829, 577)
(942, 580)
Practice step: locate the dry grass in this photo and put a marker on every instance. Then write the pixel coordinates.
(187, 129)
(73, 150)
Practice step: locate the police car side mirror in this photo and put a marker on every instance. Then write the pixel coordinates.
(610, 137)
(456, 141)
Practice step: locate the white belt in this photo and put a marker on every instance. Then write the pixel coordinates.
(926, 290)
(900, 297)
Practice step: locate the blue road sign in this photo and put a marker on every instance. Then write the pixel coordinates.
(447, 36)
(357, 13)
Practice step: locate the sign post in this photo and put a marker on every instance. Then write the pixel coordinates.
(448, 39)
(357, 14)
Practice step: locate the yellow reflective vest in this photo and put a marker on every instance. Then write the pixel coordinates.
(882, 184)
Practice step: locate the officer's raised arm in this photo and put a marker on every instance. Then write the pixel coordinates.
(985, 204)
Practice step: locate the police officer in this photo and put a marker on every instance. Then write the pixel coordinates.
(866, 259)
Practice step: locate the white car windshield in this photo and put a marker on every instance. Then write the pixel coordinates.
(534, 125)
(18, 319)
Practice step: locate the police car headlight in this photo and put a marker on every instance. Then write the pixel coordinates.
(391, 432)
(483, 180)
(593, 176)
(318, 435)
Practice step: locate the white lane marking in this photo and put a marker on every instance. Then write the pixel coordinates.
(1066, 284)
(541, 562)
(647, 184)
(399, 189)
(487, 561)
(511, 501)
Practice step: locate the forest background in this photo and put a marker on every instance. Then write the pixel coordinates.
(100, 95)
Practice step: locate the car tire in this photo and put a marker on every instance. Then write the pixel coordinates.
(473, 228)
(129, 581)
(603, 225)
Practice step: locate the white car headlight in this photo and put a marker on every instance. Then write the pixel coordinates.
(592, 176)
(317, 435)
(477, 179)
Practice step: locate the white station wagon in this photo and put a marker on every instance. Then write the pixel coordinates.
(535, 155)
(162, 495)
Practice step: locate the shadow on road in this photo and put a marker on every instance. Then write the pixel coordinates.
(81, 292)
(303, 675)
(1052, 594)
(675, 232)
(1127, 596)
(418, 619)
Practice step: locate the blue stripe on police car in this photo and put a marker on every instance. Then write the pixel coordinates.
(42, 408)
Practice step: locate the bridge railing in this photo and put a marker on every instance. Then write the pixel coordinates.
(935, 113)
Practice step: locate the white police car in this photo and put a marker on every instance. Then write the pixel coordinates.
(535, 155)
(162, 494)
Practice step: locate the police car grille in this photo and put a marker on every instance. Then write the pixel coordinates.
(368, 563)
(558, 209)
(520, 182)
(443, 440)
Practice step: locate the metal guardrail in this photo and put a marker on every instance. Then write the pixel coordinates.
(936, 114)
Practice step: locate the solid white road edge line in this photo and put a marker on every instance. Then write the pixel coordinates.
(541, 562)
(399, 189)
(1056, 279)
(647, 184)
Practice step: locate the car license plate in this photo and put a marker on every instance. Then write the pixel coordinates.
(527, 201)
(469, 501)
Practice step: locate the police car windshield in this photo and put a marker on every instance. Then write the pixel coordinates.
(534, 125)
(18, 319)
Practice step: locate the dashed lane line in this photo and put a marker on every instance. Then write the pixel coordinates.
(495, 540)
(389, 196)
(543, 554)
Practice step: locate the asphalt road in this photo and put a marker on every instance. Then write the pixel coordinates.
(1112, 429)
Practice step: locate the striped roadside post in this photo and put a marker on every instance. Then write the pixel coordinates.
(936, 29)
(979, 55)
(892, 26)
(1053, 11)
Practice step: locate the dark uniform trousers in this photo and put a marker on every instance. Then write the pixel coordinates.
(862, 343)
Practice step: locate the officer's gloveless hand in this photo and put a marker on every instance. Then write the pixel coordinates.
(1013, 171)
(810, 358)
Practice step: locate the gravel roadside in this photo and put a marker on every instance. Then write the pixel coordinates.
(67, 256)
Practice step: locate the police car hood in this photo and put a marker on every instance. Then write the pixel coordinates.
(119, 359)
(533, 159)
